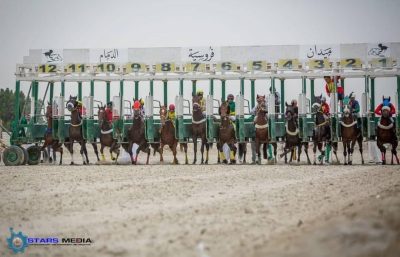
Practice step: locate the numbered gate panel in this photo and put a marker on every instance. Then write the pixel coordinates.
(319, 64)
(249, 128)
(228, 66)
(280, 128)
(187, 128)
(381, 63)
(351, 63)
(289, 64)
(48, 68)
(77, 68)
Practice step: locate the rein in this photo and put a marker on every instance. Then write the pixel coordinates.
(348, 125)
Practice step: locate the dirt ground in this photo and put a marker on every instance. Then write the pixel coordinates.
(204, 210)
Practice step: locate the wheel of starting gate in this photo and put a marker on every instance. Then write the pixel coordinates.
(13, 156)
(33, 155)
(25, 160)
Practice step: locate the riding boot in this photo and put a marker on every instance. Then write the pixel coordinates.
(327, 153)
(270, 157)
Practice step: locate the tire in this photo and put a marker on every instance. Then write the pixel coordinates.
(33, 155)
(25, 160)
(13, 156)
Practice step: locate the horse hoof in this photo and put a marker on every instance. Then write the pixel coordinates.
(345, 163)
(72, 163)
(206, 162)
(225, 162)
(194, 162)
(350, 163)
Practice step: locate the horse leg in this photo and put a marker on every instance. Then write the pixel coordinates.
(321, 148)
(360, 146)
(299, 152)
(306, 151)
(161, 150)
(275, 145)
(148, 153)
(185, 148)
(291, 154)
(258, 154)
(103, 158)
(173, 149)
(353, 143)
(394, 151)
(315, 152)
(383, 151)
(345, 151)
(202, 151)
(82, 151)
(232, 153)
(95, 150)
(195, 150)
(244, 152)
(70, 148)
(207, 149)
(60, 149)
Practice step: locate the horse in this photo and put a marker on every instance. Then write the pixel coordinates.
(76, 133)
(106, 136)
(167, 136)
(292, 138)
(136, 135)
(199, 130)
(322, 132)
(49, 142)
(350, 133)
(226, 135)
(386, 134)
(261, 125)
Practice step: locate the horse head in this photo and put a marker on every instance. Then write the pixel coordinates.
(163, 114)
(224, 109)
(289, 113)
(260, 99)
(196, 103)
(72, 103)
(49, 111)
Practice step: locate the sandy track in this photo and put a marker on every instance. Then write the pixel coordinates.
(165, 210)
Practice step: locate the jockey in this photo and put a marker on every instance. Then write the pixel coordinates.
(260, 99)
(202, 101)
(355, 106)
(136, 106)
(142, 111)
(386, 105)
(277, 100)
(296, 110)
(79, 107)
(325, 107)
(171, 113)
(330, 87)
(109, 111)
(232, 107)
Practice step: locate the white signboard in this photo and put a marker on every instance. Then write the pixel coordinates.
(378, 50)
(319, 52)
(52, 56)
(201, 54)
(109, 55)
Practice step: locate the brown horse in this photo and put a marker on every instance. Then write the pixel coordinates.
(136, 135)
(226, 135)
(350, 134)
(48, 138)
(292, 138)
(106, 135)
(199, 130)
(261, 125)
(76, 133)
(167, 136)
(386, 134)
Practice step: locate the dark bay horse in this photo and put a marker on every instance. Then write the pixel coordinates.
(76, 133)
(167, 136)
(48, 138)
(261, 125)
(199, 130)
(136, 135)
(321, 133)
(292, 138)
(386, 134)
(226, 135)
(106, 135)
(350, 133)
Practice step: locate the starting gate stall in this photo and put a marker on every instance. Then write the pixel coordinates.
(305, 62)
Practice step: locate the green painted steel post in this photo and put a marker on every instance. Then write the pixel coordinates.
(272, 125)
(80, 90)
(304, 85)
(62, 88)
(342, 83)
(223, 98)
(211, 87)
(92, 88)
(51, 92)
(17, 114)
(108, 91)
(372, 94)
(180, 86)
(165, 92)
(151, 87)
(253, 93)
(312, 90)
(282, 95)
(272, 85)
(242, 86)
(136, 89)
(36, 99)
(194, 89)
